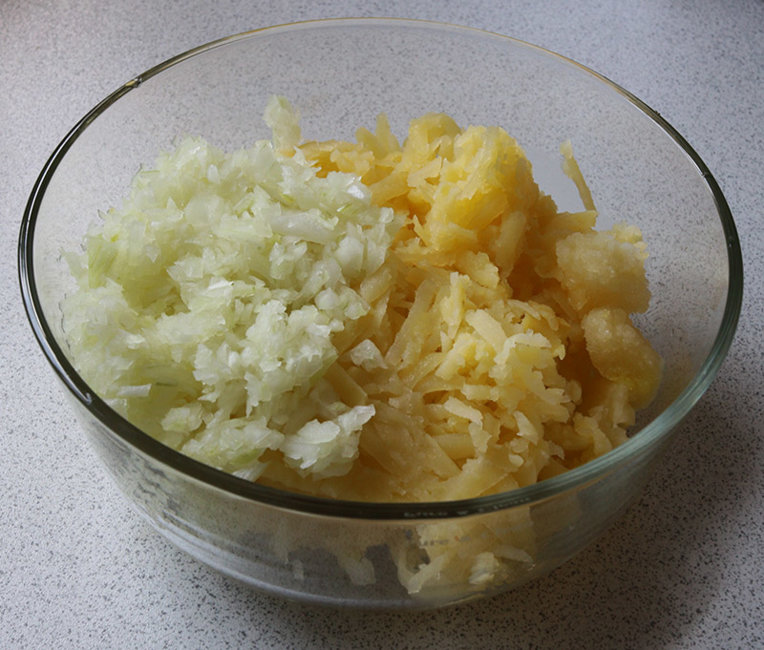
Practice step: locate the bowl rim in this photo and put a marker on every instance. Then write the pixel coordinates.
(654, 432)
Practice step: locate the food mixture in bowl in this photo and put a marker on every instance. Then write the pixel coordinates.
(365, 320)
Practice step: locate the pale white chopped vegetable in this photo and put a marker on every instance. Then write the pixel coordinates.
(327, 448)
(367, 355)
(484, 568)
(208, 302)
(283, 121)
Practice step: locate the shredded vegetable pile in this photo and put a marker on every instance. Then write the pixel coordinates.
(367, 320)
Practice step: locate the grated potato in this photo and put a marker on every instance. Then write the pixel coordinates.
(505, 337)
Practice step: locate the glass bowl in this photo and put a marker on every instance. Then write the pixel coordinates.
(341, 74)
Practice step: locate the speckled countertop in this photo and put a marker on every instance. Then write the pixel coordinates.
(682, 569)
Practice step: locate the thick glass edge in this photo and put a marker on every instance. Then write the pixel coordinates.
(657, 429)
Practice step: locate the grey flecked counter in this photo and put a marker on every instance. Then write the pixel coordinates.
(682, 569)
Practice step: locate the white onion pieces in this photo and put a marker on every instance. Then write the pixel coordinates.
(209, 305)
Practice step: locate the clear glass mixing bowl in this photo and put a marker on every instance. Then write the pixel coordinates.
(341, 74)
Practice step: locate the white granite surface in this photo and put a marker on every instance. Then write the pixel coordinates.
(682, 569)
